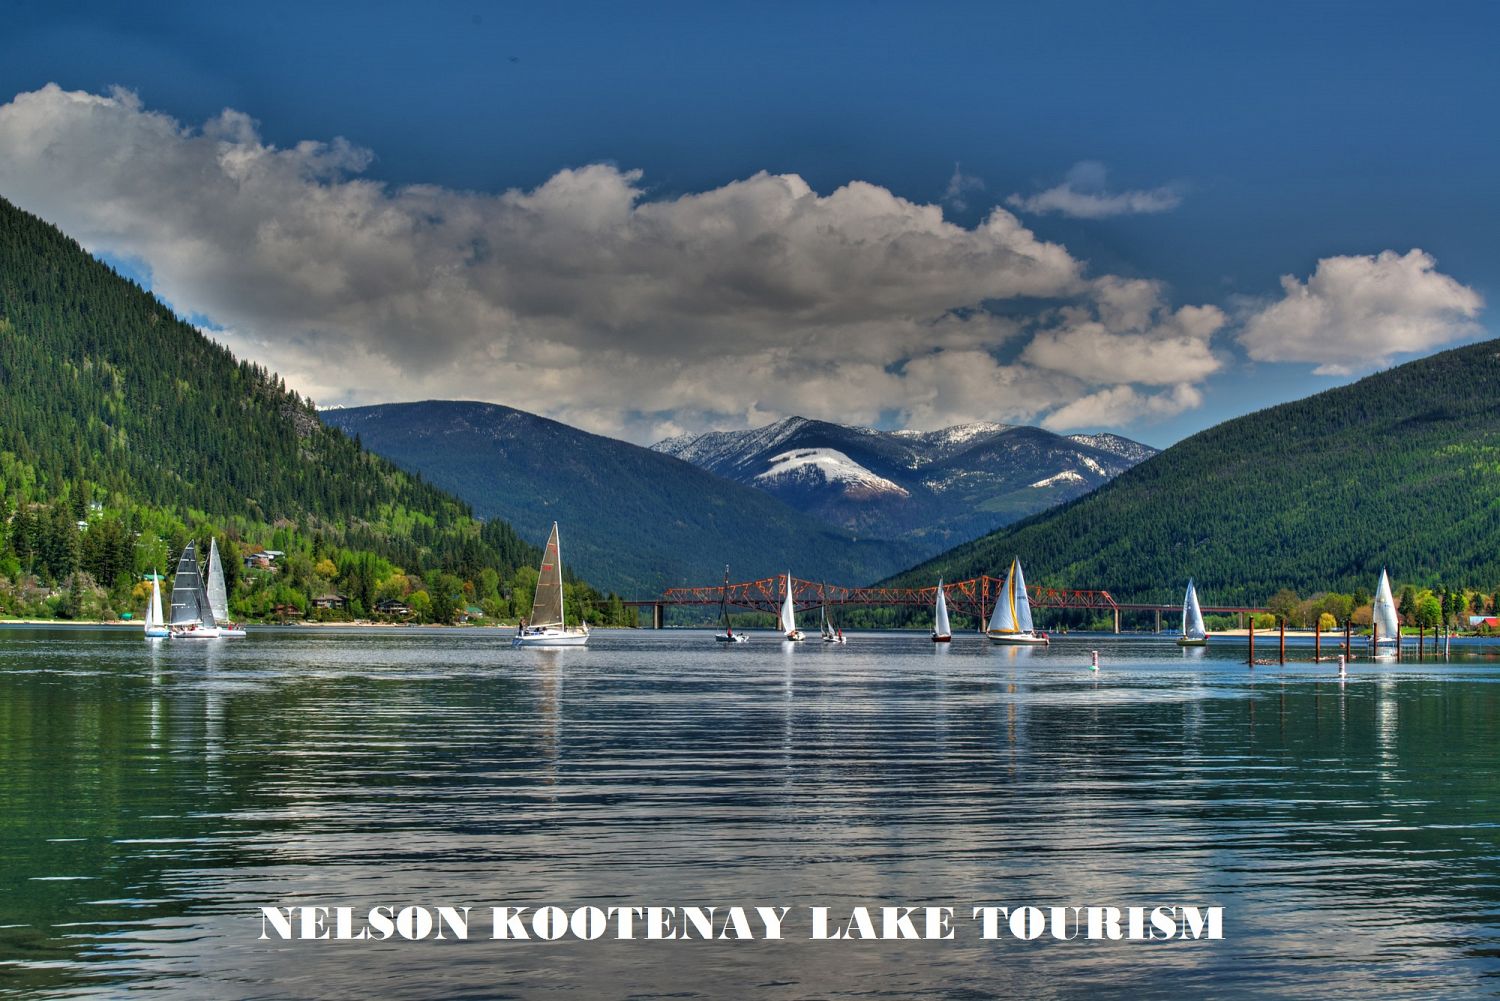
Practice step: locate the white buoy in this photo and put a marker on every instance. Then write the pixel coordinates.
(1094, 666)
(1343, 668)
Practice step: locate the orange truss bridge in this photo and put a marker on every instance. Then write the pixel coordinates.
(975, 597)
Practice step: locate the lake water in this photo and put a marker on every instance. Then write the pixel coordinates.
(152, 799)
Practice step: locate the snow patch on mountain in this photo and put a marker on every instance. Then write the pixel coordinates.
(930, 446)
(1066, 476)
(712, 448)
(830, 466)
(1131, 451)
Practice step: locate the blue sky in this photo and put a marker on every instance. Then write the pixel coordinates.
(1271, 136)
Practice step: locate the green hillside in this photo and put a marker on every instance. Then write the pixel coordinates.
(124, 432)
(1401, 469)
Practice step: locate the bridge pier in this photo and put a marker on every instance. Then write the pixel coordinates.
(1158, 620)
(657, 616)
(1117, 622)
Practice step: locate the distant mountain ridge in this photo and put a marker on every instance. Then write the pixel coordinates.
(1399, 470)
(933, 487)
(632, 519)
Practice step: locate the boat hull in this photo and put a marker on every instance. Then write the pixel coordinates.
(1018, 639)
(552, 637)
(795, 636)
(1189, 641)
(942, 639)
(227, 633)
(157, 634)
(194, 634)
(736, 638)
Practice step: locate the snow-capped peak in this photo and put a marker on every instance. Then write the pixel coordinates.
(713, 447)
(1131, 451)
(829, 465)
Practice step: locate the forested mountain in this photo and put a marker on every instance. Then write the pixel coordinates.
(124, 431)
(934, 488)
(1400, 469)
(632, 519)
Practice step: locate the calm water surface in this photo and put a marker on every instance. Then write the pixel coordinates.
(153, 798)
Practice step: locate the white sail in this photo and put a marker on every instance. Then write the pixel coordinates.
(827, 629)
(940, 614)
(1385, 609)
(154, 619)
(788, 612)
(1022, 603)
(1004, 618)
(1192, 615)
(218, 595)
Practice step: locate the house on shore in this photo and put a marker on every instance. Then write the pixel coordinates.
(395, 609)
(265, 559)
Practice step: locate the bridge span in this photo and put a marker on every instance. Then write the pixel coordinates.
(975, 597)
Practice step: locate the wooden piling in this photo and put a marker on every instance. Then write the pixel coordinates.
(1318, 642)
(1283, 641)
(1250, 659)
(1374, 637)
(1421, 641)
(1348, 632)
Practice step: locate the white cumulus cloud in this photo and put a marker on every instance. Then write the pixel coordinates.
(1128, 334)
(1083, 195)
(1359, 312)
(588, 300)
(1120, 403)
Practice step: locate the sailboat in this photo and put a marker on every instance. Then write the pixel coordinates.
(1193, 632)
(546, 626)
(728, 635)
(941, 632)
(218, 594)
(1387, 629)
(1011, 622)
(830, 635)
(788, 622)
(192, 618)
(156, 625)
